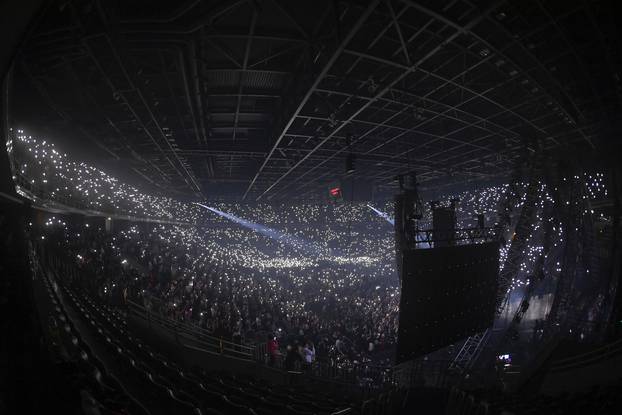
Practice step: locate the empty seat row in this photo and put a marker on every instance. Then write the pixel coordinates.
(162, 398)
(104, 390)
(207, 391)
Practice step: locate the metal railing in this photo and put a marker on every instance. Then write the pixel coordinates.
(461, 402)
(190, 335)
(584, 359)
(45, 199)
(417, 373)
(336, 369)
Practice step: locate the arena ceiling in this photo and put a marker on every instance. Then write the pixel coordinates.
(265, 99)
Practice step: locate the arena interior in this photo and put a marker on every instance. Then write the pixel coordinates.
(331, 207)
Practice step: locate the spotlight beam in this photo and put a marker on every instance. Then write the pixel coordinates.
(382, 215)
(274, 234)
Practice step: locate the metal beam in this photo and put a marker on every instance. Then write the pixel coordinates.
(291, 19)
(133, 90)
(242, 74)
(446, 160)
(164, 25)
(386, 28)
(396, 23)
(384, 90)
(449, 109)
(499, 52)
(276, 54)
(223, 51)
(370, 8)
(475, 94)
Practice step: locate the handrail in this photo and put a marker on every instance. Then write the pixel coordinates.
(603, 348)
(231, 356)
(592, 356)
(218, 347)
(45, 200)
(178, 325)
(342, 411)
(171, 322)
(218, 344)
(190, 326)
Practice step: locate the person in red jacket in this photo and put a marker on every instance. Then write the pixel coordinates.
(273, 349)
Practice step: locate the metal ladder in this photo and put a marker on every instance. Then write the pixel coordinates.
(469, 351)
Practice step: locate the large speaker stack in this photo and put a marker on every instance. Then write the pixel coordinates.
(448, 290)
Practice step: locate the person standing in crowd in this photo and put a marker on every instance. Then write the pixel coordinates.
(293, 358)
(273, 349)
(309, 355)
(237, 335)
(340, 346)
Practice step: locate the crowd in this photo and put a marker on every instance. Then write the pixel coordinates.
(40, 170)
(232, 281)
(338, 299)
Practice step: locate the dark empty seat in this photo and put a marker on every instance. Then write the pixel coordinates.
(299, 410)
(235, 406)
